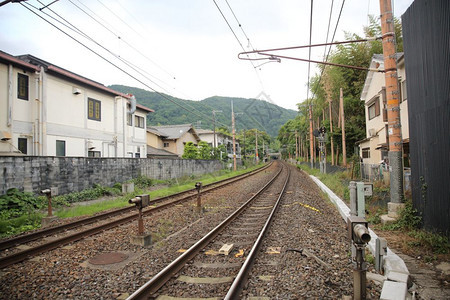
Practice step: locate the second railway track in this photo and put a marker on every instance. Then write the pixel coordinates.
(209, 273)
(108, 220)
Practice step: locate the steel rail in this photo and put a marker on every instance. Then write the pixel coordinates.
(24, 254)
(241, 278)
(9, 243)
(152, 286)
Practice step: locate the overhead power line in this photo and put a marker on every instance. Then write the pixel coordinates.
(239, 42)
(310, 40)
(329, 49)
(26, 5)
(92, 14)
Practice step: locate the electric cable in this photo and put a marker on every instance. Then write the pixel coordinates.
(309, 55)
(74, 28)
(329, 49)
(240, 25)
(239, 42)
(113, 64)
(121, 38)
(80, 32)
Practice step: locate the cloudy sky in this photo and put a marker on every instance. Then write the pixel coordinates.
(183, 48)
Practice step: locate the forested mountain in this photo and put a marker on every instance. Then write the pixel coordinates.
(250, 113)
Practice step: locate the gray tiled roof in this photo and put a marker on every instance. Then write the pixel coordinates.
(172, 132)
(152, 151)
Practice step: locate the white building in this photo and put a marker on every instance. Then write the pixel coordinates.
(48, 111)
(221, 139)
(374, 148)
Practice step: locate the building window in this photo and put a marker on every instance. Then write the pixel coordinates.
(403, 92)
(94, 154)
(137, 155)
(22, 86)
(139, 121)
(374, 109)
(365, 152)
(129, 119)
(60, 148)
(94, 110)
(166, 145)
(22, 144)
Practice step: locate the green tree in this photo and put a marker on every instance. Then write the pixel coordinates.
(190, 151)
(326, 85)
(204, 150)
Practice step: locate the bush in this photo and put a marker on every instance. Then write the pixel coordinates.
(143, 182)
(96, 192)
(16, 203)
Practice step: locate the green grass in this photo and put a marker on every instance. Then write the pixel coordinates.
(91, 209)
(20, 224)
(182, 185)
(18, 210)
(337, 182)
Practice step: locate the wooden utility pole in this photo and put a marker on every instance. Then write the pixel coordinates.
(296, 145)
(393, 108)
(234, 136)
(311, 138)
(244, 144)
(256, 146)
(341, 104)
(331, 131)
(214, 121)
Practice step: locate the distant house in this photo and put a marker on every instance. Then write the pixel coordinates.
(172, 138)
(221, 139)
(374, 148)
(46, 110)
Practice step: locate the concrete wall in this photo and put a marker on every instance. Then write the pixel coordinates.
(73, 174)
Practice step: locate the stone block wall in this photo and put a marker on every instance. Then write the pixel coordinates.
(74, 174)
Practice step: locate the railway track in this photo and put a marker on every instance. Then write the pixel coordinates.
(126, 215)
(220, 274)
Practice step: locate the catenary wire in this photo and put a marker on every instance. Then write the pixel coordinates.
(239, 42)
(329, 49)
(240, 25)
(309, 55)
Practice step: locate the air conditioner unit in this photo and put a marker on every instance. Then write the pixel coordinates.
(5, 135)
(372, 132)
(90, 145)
(76, 91)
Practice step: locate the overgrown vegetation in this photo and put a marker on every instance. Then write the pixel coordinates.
(409, 221)
(20, 211)
(90, 194)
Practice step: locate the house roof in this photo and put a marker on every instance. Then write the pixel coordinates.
(377, 62)
(5, 57)
(31, 62)
(173, 132)
(152, 151)
(204, 131)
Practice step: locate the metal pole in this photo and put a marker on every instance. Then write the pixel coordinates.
(359, 275)
(140, 223)
(393, 108)
(49, 207)
(353, 201)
